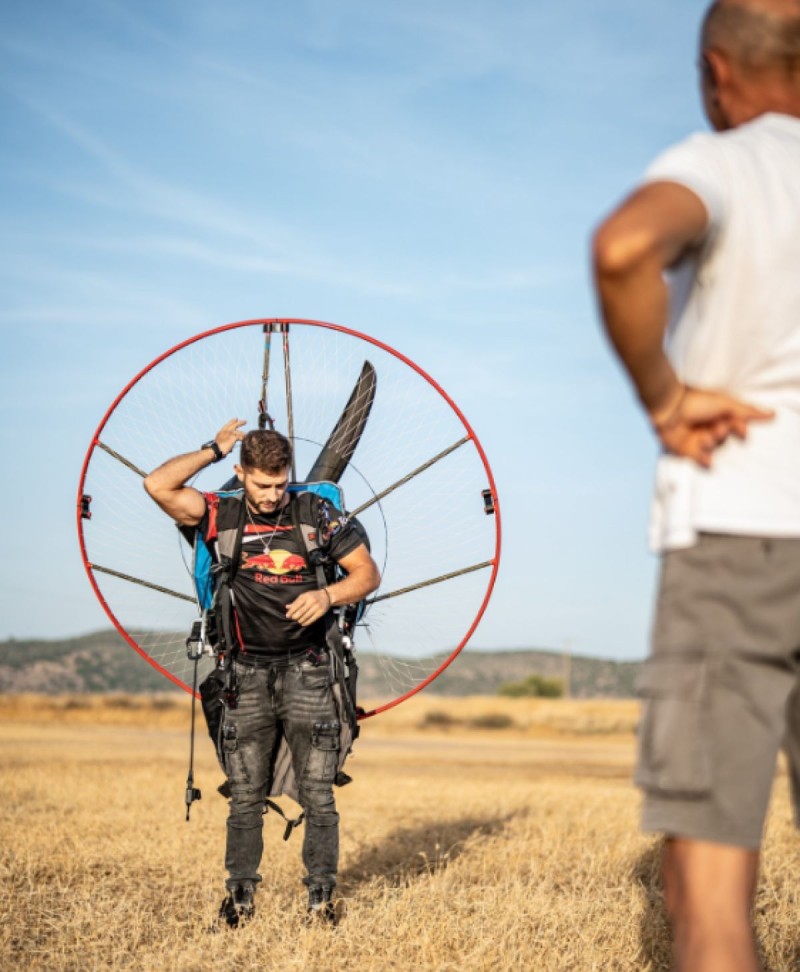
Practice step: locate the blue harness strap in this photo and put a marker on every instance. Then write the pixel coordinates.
(331, 492)
(201, 572)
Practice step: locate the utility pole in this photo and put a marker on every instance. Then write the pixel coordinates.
(567, 669)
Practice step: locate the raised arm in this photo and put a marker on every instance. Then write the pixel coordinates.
(648, 233)
(166, 485)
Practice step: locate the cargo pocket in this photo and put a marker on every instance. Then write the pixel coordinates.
(323, 757)
(232, 759)
(674, 744)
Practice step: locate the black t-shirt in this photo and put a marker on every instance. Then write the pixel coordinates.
(273, 571)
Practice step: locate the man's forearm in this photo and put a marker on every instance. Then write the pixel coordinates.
(174, 473)
(689, 422)
(649, 232)
(360, 582)
(635, 308)
(362, 578)
(166, 485)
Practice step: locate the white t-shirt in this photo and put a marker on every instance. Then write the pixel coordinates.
(735, 326)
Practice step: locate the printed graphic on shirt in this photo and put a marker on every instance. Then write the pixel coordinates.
(274, 571)
(274, 561)
(272, 564)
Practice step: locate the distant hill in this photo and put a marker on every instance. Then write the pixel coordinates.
(483, 672)
(99, 662)
(104, 662)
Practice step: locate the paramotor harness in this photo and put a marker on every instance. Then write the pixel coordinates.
(315, 513)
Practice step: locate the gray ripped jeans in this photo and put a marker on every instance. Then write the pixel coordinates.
(298, 702)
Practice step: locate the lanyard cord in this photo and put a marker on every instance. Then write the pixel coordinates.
(192, 793)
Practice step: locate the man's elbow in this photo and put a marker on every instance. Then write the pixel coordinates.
(150, 487)
(372, 578)
(617, 252)
(156, 491)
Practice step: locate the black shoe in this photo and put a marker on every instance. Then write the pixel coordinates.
(320, 907)
(237, 907)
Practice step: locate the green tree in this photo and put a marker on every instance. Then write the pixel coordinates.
(533, 686)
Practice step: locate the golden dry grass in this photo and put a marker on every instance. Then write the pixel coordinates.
(461, 850)
(537, 717)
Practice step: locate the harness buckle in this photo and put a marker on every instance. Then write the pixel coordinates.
(198, 643)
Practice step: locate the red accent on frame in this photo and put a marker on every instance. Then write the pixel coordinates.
(262, 321)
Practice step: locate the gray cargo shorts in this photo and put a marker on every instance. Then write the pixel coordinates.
(721, 690)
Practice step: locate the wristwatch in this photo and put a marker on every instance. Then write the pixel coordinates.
(212, 444)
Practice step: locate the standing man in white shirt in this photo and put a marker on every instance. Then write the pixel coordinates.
(706, 254)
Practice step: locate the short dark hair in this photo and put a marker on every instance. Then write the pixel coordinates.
(267, 451)
(757, 38)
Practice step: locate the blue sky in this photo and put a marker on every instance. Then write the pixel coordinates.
(425, 172)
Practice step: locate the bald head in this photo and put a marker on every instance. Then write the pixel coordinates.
(760, 35)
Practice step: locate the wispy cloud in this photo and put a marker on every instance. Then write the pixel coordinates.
(264, 246)
(219, 235)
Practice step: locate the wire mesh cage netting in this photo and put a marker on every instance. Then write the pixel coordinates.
(418, 481)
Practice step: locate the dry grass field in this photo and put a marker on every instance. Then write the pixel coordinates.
(477, 834)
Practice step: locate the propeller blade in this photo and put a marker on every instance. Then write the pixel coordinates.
(343, 440)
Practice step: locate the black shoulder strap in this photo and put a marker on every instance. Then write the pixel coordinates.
(236, 556)
(316, 559)
(313, 552)
(346, 668)
(223, 597)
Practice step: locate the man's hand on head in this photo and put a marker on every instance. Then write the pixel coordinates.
(230, 434)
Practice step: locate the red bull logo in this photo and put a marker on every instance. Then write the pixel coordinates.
(274, 562)
(263, 561)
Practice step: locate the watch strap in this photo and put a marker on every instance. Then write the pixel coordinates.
(212, 444)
